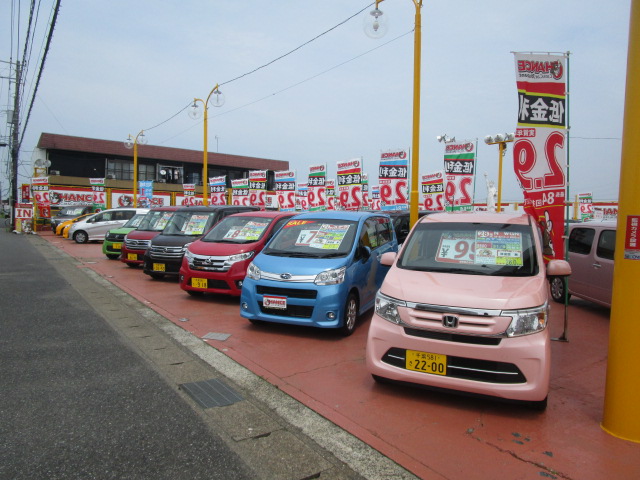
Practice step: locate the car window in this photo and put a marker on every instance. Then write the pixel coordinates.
(471, 249)
(606, 244)
(314, 238)
(135, 221)
(189, 223)
(238, 230)
(155, 220)
(580, 240)
(383, 227)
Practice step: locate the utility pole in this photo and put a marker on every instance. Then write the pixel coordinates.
(15, 146)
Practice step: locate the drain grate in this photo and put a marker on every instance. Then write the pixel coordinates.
(211, 393)
(217, 336)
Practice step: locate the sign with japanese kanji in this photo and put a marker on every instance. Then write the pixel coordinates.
(632, 238)
(330, 193)
(585, 206)
(539, 156)
(432, 189)
(257, 187)
(98, 188)
(286, 189)
(459, 170)
(41, 196)
(350, 184)
(392, 176)
(218, 190)
(316, 188)
(302, 201)
(240, 191)
(375, 197)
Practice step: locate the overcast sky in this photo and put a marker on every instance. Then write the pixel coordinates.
(117, 67)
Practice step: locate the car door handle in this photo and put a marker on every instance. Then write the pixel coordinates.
(597, 265)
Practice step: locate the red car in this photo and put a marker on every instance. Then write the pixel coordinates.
(137, 241)
(217, 263)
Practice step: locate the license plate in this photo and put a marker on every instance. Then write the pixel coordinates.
(116, 246)
(132, 256)
(278, 303)
(159, 267)
(199, 282)
(433, 363)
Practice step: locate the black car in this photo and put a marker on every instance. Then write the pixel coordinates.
(68, 213)
(188, 224)
(400, 220)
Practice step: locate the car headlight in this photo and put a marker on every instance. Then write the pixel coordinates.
(331, 277)
(231, 259)
(185, 247)
(527, 321)
(387, 308)
(189, 256)
(253, 272)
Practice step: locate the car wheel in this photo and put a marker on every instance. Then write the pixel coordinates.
(558, 287)
(350, 315)
(113, 256)
(81, 236)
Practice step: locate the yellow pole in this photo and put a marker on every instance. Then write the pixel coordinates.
(135, 172)
(205, 179)
(622, 389)
(501, 148)
(414, 200)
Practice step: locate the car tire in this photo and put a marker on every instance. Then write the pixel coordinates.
(132, 265)
(113, 256)
(195, 293)
(81, 236)
(156, 276)
(349, 315)
(558, 288)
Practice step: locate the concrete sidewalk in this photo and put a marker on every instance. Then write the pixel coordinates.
(432, 435)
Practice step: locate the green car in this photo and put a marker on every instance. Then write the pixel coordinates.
(113, 240)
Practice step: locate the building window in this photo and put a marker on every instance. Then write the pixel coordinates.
(123, 170)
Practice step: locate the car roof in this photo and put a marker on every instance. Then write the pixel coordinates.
(478, 217)
(339, 215)
(264, 213)
(595, 224)
(168, 208)
(212, 208)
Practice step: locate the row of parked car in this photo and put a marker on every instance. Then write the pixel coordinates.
(462, 304)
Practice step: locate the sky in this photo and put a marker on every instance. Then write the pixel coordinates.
(118, 67)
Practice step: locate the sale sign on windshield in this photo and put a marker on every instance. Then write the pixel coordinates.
(432, 186)
(316, 193)
(392, 176)
(459, 169)
(539, 157)
(257, 187)
(218, 190)
(350, 184)
(286, 189)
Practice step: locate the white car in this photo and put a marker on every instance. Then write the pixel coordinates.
(96, 226)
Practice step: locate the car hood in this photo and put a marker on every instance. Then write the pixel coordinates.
(174, 240)
(296, 265)
(121, 231)
(142, 234)
(472, 291)
(221, 249)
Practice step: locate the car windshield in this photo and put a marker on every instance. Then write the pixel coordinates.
(471, 249)
(188, 223)
(155, 221)
(71, 211)
(238, 230)
(134, 222)
(313, 238)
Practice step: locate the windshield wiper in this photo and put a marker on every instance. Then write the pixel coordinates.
(284, 253)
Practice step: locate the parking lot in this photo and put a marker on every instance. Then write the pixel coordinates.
(433, 435)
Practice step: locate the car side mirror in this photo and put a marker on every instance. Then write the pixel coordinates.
(558, 268)
(364, 253)
(388, 258)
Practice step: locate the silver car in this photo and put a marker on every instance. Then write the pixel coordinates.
(96, 226)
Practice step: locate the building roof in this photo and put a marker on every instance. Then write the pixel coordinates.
(52, 141)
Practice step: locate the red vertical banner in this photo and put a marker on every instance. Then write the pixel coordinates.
(218, 190)
(539, 151)
(257, 188)
(316, 188)
(432, 186)
(286, 190)
(350, 184)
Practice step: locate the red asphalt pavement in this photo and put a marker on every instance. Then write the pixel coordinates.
(433, 435)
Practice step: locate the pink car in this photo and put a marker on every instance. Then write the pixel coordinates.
(465, 307)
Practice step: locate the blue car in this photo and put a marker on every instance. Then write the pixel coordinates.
(322, 269)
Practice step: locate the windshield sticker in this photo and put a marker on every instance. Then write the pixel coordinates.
(195, 225)
(329, 237)
(456, 247)
(499, 248)
(297, 223)
(162, 221)
(249, 231)
(481, 248)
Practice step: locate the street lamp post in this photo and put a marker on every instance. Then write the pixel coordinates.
(129, 143)
(217, 101)
(500, 140)
(376, 27)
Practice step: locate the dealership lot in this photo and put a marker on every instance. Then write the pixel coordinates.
(421, 430)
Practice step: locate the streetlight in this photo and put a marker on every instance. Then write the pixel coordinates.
(217, 101)
(376, 27)
(501, 140)
(130, 143)
(445, 138)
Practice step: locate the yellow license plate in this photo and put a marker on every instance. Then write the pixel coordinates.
(132, 256)
(199, 282)
(159, 267)
(433, 363)
(116, 246)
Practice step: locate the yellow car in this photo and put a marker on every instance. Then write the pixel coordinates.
(63, 228)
